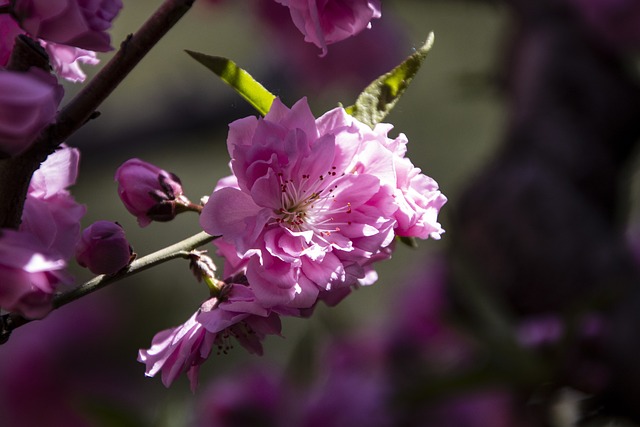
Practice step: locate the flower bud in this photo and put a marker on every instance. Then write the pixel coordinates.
(28, 102)
(78, 23)
(148, 192)
(103, 248)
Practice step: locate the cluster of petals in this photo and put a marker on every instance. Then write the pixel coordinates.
(78, 23)
(70, 31)
(235, 313)
(50, 211)
(315, 202)
(28, 102)
(324, 22)
(66, 60)
(33, 259)
(30, 274)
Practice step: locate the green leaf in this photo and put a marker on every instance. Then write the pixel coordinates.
(248, 87)
(379, 98)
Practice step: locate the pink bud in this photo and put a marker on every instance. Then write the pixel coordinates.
(28, 102)
(148, 192)
(103, 248)
(79, 23)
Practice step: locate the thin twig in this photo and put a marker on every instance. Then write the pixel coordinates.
(11, 321)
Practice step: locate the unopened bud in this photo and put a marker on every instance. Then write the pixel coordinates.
(148, 192)
(103, 248)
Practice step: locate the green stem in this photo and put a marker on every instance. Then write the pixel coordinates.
(11, 321)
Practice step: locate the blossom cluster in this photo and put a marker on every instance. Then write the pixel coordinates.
(311, 205)
(69, 33)
(34, 257)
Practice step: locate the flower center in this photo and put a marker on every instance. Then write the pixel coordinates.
(310, 204)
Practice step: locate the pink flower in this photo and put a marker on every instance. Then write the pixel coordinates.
(148, 192)
(30, 274)
(316, 202)
(178, 350)
(78, 23)
(28, 102)
(103, 248)
(234, 314)
(324, 22)
(416, 195)
(66, 60)
(50, 212)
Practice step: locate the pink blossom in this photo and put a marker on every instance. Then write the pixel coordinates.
(148, 192)
(234, 314)
(324, 22)
(28, 102)
(66, 60)
(103, 248)
(316, 202)
(416, 195)
(30, 274)
(178, 350)
(78, 23)
(51, 213)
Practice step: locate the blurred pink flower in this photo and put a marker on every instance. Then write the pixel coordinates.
(78, 23)
(253, 398)
(30, 274)
(324, 22)
(103, 248)
(51, 365)
(352, 387)
(65, 60)
(9, 30)
(316, 202)
(234, 314)
(51, 213)
(357, 60)
(28, 102)
(148, 192)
